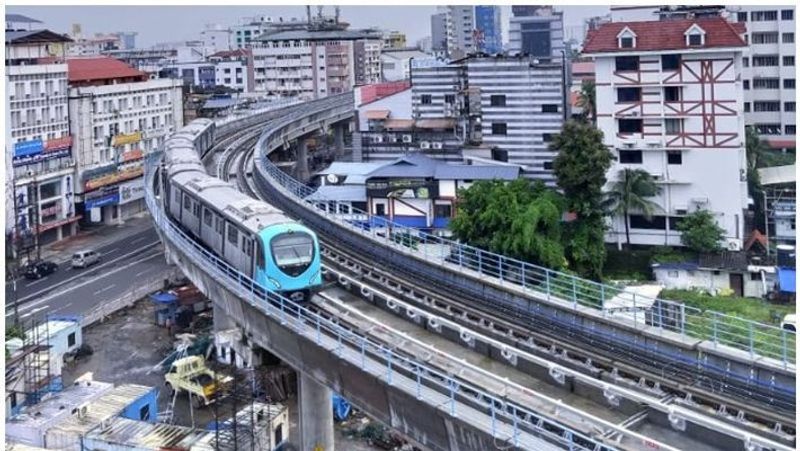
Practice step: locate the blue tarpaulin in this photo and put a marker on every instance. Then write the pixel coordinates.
(787, 279)
(163, 298)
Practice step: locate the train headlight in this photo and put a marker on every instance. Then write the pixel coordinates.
(274, 282)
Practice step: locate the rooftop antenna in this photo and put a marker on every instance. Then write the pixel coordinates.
(337, 14)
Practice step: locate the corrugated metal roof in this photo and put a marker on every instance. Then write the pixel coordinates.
(106, 406)
(777, 175)
(59, 405)
(306, 35)
(147, 435)
(18, 37)
(100, 68)
(344, 168)
(435, 123)
(19, 18)
(214, 104)
(342, 193)
(415, 165)
(377, 114)
(471, 172)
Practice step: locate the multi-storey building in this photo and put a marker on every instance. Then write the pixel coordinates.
(537, 31)
(217, 37)
(512, 105)
(488, 31)
(769, 73)
(439, 34)
(315, 63)
(39, 159)
(234, 69)
(394, 40)
(117, 115)
(670, 101)
(396, 63)
(460, 24)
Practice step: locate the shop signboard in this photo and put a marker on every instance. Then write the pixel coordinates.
(34, 151)
(405, 188)
(102, 201)
(131, 191)
(130, 138)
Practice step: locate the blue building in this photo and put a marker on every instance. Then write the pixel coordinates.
(488, 34)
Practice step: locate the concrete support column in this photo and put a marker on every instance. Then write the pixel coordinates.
(301, 164)
(316, 415)
(338, 138)
(222, 321)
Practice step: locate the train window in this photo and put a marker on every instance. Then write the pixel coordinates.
(177, 196)
(259, 255)
(233, 234)
(196, 209)
(220, 223)
(248, 247)
(207, 217)
(186, 202)
(293, 252)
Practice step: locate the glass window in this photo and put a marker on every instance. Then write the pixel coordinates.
(674, 157)
(443, 211)
(627, 63)
(48, 190)
(207, 218)
(768, 129)
(747, 107)
(629, 94)
(550, 108)
(788, 38)
(766, 106)
(449, 99)
(672, 126)
(426, 99)
(71, 340)
(498, 100)
(765, 60)
(630, 156)
(788, 83)
(292, 252)
(766, 83)
(746, 62)
(746, 84)
(233, 235)
(695, 39)
(626, 42)
(788, 106)
(672, 93)
(499, 128)
(787, 14)
(763, 16)
(741, 17)
(670, 62)
(788, 61)
(547, 137)
(187, 203)
(630, 125)
(790, 130)
(654, 223)
(764, 38)
(380, 209)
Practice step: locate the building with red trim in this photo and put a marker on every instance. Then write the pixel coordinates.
(118, 115)
(670, 102)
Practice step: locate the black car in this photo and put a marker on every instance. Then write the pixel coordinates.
(39, 269)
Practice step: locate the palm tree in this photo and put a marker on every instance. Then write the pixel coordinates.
(630, 193)
(587, 100)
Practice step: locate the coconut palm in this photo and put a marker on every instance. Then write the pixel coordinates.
(630, 192)
(587, 100)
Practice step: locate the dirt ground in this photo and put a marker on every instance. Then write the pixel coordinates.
(128, 348)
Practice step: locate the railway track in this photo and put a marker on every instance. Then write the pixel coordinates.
(628, 371)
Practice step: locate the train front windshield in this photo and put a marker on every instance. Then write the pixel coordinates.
(293, 252)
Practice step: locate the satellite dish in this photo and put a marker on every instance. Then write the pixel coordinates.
(332, 178)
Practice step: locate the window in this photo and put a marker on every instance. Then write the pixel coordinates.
(788, 38)
(499, 128)
(768, 129)
(425, 99)
(741, 17)
(673, 274)
(746, 85)
(764, 38)
(196, 209)
(220, 225)
(626, 42)
(788, 83)
(629, 95)
(630, 156)
(443, 211)
(233, 234)
(746, 62)
(49, 190)
(449, 99)
(655, 222)
(549, 108)
(763, 16)
(144, 412)
(673, 126)
(766, 106)
(674, 157)
(547, 137)
(765, 60)
(380, 209)
(787, 14)
(207, 217)
(766, 83)
(630, 125)
(670, 62)
(71, 340)
(788, 61)
(747, 107)
(187, 203)
(695, 39)
(627, 63)
(279, 434)
(790, 130)
(498, 100)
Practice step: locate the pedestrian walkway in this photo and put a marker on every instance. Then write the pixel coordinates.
(94, 237)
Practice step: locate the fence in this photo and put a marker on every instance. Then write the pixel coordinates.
(101, 312)
(756, 338)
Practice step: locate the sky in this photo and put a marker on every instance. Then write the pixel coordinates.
(156, 24)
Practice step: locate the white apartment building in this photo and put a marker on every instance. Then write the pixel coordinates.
(537, 31)
(459, 25)
(396, 64)
(769, 73)
(217, 37)
(117, 115)
(234, 69)
(314, 64)
(670, 101)
(39, 159)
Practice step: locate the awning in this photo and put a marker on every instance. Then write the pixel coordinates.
(436, 123)
(377, 115)
(787, 279)
(779, 143)
(398, 124)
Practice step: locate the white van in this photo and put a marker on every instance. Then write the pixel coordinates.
(789, 322)
(82, 259)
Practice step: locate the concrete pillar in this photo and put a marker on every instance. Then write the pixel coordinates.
(301, 164)
(338, 138)
(316, 415)
(222, 321)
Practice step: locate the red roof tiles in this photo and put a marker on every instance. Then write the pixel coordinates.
(664, 35)
(100, 68)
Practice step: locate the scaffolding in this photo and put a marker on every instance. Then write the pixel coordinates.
(28, 369)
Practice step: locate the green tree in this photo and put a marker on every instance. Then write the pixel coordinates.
(580, 168)
(587, 100)
(518, 219)
(630, 192)
(755, 156)
(700, 232)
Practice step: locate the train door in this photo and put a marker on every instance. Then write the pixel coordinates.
(247, 247)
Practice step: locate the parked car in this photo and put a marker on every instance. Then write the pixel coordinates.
(39, 269)
(82, 259)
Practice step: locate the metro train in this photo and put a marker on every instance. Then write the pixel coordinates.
(256, 238)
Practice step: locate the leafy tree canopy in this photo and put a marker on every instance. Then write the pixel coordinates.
(700, 232)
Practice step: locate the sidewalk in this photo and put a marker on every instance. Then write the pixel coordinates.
(95, 237)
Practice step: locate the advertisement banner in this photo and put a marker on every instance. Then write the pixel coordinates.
(63, 143)
(29, 152)
(28, 148)
(121, 140)
(111, 199)
(132, 155)
(114, 177)
(131, 191)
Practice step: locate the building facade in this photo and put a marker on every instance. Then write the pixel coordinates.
(488, 29)
(117, 115)
(439, 34)
(511, 105)
(670, 102)
(396, 63)
(234, 69)
(460, 24)
(769, 72)
(39, 148)
(537, 31)
(394, 40)
(217, 37)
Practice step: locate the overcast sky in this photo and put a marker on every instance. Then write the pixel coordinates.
(157, 24)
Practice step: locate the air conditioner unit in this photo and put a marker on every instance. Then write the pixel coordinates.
(407, 139)
(437, 145)
(628, 145)
(378, 139)
(655, 144)
(424, 145)
(734, 245)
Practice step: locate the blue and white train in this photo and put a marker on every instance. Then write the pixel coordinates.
(260, 241)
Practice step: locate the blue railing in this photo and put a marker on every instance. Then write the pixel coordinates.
(507, 420)
(660, 315)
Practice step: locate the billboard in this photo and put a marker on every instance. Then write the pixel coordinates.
(131, 191)
(34, 151)
(120, 140)
(112, 178)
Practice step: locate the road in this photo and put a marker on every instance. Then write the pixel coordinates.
(77, 291)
